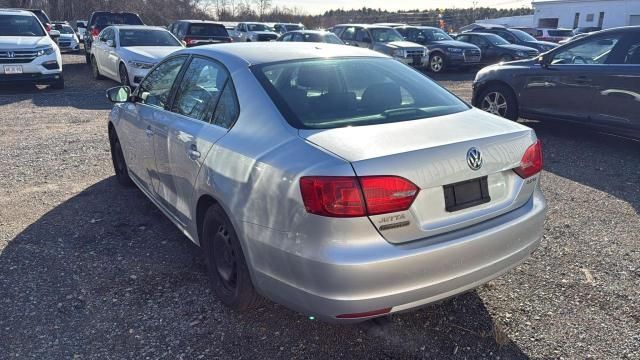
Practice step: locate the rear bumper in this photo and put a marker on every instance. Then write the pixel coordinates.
(370, 275)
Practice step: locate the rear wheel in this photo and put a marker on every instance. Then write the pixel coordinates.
(94, 69)
(120, 164)
(124, 75)
(499, 100)
(226, 267)
(436, 63)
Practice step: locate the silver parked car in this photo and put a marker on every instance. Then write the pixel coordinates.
(331, 179)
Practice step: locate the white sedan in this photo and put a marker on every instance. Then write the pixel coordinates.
(127, 53)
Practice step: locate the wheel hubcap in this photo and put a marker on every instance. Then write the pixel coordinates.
(494, 103)
(225, 258)
(436, 63)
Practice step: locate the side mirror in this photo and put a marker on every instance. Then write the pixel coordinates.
(119, 94)
(111, 43)
(544, 60)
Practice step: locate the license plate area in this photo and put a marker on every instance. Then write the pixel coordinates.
(466, 194)
(13, 69)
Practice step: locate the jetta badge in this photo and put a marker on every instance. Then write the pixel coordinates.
(474, 159)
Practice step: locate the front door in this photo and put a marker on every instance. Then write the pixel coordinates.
(566, 88)
(153, 95)
(200, 116)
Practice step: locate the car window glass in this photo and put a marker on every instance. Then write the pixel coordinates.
(507, 36)
(156, 87)
(633, 54)
(103, 35)
(349, 33)
(593, 51)
(200, 89)
(362, 35)
(227, 110)
(479, 40)
(464, 38)
(287, 37)
(298, 37)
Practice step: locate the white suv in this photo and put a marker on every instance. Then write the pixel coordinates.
(27, 52)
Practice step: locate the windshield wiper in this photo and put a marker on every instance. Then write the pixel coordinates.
(404, 112)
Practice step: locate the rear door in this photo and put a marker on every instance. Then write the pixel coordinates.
(616, 102)
(203, 110)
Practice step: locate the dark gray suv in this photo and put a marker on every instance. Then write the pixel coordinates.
(592, 81)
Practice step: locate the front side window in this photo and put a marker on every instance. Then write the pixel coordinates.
(349, 33)
(130, 37)
(592, 51)
(207, 30)
(298, 37)
(200, 89)
(331, 39)
(322, 94)
(522, 35)
(287, 37)
(494, 39)
(155, 89)
(434, 35)
(362, 35)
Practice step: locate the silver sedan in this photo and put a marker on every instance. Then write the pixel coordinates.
(331, 179)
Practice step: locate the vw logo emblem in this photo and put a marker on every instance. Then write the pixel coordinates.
(11, 54)
(474, 159)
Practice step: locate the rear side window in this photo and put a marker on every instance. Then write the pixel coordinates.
(200, 89)
(323, 94)
(207, 30)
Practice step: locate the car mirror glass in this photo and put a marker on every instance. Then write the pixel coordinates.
(110, 43)
(119, 94)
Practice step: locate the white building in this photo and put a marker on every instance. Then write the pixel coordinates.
(510, 21)
(581, 13)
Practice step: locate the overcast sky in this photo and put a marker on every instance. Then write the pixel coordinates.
(319, 6)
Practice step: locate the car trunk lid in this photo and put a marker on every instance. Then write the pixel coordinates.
(432, 154)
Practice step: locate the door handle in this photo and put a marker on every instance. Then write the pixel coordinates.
(194, 154)
(149, 132)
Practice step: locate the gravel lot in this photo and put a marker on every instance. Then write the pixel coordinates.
(89, 270)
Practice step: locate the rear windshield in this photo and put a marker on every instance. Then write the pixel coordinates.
(20, 25)
(147, 38)
(565, 33)
(324, 94)
(207, 30)
(104, 20)
(64, 29)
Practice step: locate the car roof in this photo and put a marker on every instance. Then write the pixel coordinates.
(202, 21)
(137, 27)
(254, 53)
(320, 32)
(16, 12)
(421, 27)
(369, 26)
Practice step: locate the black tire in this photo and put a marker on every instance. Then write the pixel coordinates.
(437, 63)
(120, 164)
(499, 94)
(124, 75)
(94, 69)
(226, 267)
(87, 57)
(58, 84)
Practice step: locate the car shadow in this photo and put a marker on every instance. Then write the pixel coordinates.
(601, 161)
(78, 92)
(105, 274)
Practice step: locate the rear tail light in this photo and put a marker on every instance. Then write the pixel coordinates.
(95, 32)
(350, 196)
(48, 27)
(531, 162)
(190, 41)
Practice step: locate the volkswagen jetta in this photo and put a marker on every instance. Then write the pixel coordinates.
(331, 179)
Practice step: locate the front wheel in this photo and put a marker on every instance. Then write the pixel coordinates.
(95, 70)
(226, 267)
(120, 164)
(499, 100)
(124, 75)
(436, 63)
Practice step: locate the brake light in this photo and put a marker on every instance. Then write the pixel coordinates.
(95, 32)
(48, 27)
(350, 196)
(190, 41)
(531, 162)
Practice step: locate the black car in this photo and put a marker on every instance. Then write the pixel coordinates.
(311, 36)
(200, 32)
(444, 51)
(100, 20)
(591, 81)
(519, 37)
(496, 49)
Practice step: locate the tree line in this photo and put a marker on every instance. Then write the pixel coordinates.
(163, 12)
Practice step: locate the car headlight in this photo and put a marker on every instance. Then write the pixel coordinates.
(140, 64)
(454, 50)
(521, 54)
(398, 53)
(45, 51)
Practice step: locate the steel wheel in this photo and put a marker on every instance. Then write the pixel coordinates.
(225, 259)
(436, 63)
(495, 103)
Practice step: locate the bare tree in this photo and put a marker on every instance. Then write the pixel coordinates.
(263, 6)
